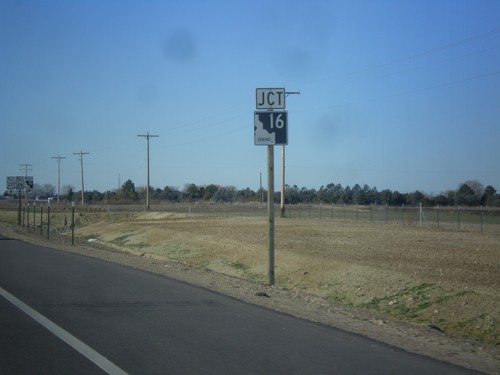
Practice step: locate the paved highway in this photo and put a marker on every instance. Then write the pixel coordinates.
(65, 313)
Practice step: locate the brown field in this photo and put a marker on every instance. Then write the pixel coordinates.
(445, 278)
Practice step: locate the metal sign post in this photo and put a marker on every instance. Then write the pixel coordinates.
(270, 210)
(270, 129)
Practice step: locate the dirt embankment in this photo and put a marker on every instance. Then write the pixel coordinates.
(427, 291)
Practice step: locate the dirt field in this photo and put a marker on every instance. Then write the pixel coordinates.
(382, 273)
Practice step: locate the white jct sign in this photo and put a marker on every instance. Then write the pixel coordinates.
(270, 98)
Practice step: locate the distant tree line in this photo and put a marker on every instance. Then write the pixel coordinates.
(469, 193)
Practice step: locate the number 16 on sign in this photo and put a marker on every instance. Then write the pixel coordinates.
(270, 128)
(279, 120)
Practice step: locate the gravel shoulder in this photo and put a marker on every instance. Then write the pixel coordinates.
(420, 339)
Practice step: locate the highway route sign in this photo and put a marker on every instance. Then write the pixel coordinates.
(20, 183)
(270, 98)
(270, 128)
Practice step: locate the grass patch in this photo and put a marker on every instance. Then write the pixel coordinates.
(408, 303)
(483, 327)
(240, 266)
(423, 302)
(448, 297)
(120, 241)
(417, 295)
(140, 245)
(340, 298)
(177, 251)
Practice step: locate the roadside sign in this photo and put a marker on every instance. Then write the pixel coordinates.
(270, 128)
(19, 182)
(270, 98)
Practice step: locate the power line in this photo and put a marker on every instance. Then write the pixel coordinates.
(408, 57)
(408, 92)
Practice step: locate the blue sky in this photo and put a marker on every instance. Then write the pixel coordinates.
(403, 95)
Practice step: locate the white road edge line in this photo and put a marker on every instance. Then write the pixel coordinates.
(65, 336)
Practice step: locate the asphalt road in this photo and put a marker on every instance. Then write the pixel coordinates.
(142, 323)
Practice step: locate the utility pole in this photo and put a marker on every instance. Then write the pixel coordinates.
(81, 153)
(282, 203)
(26, 168)
(147, 136)
(58, 158)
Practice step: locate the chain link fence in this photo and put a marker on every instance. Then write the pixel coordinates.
(478, 219)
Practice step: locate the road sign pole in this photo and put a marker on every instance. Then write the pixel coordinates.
(271, 128)
(270, 210)
(282, 200)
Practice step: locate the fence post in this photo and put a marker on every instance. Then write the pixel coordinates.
(28, 218)
(34, 217)
(73, 223)
(41, 219)
(48, 219)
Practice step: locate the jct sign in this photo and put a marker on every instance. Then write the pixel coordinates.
(270, 128)
(270, 98)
